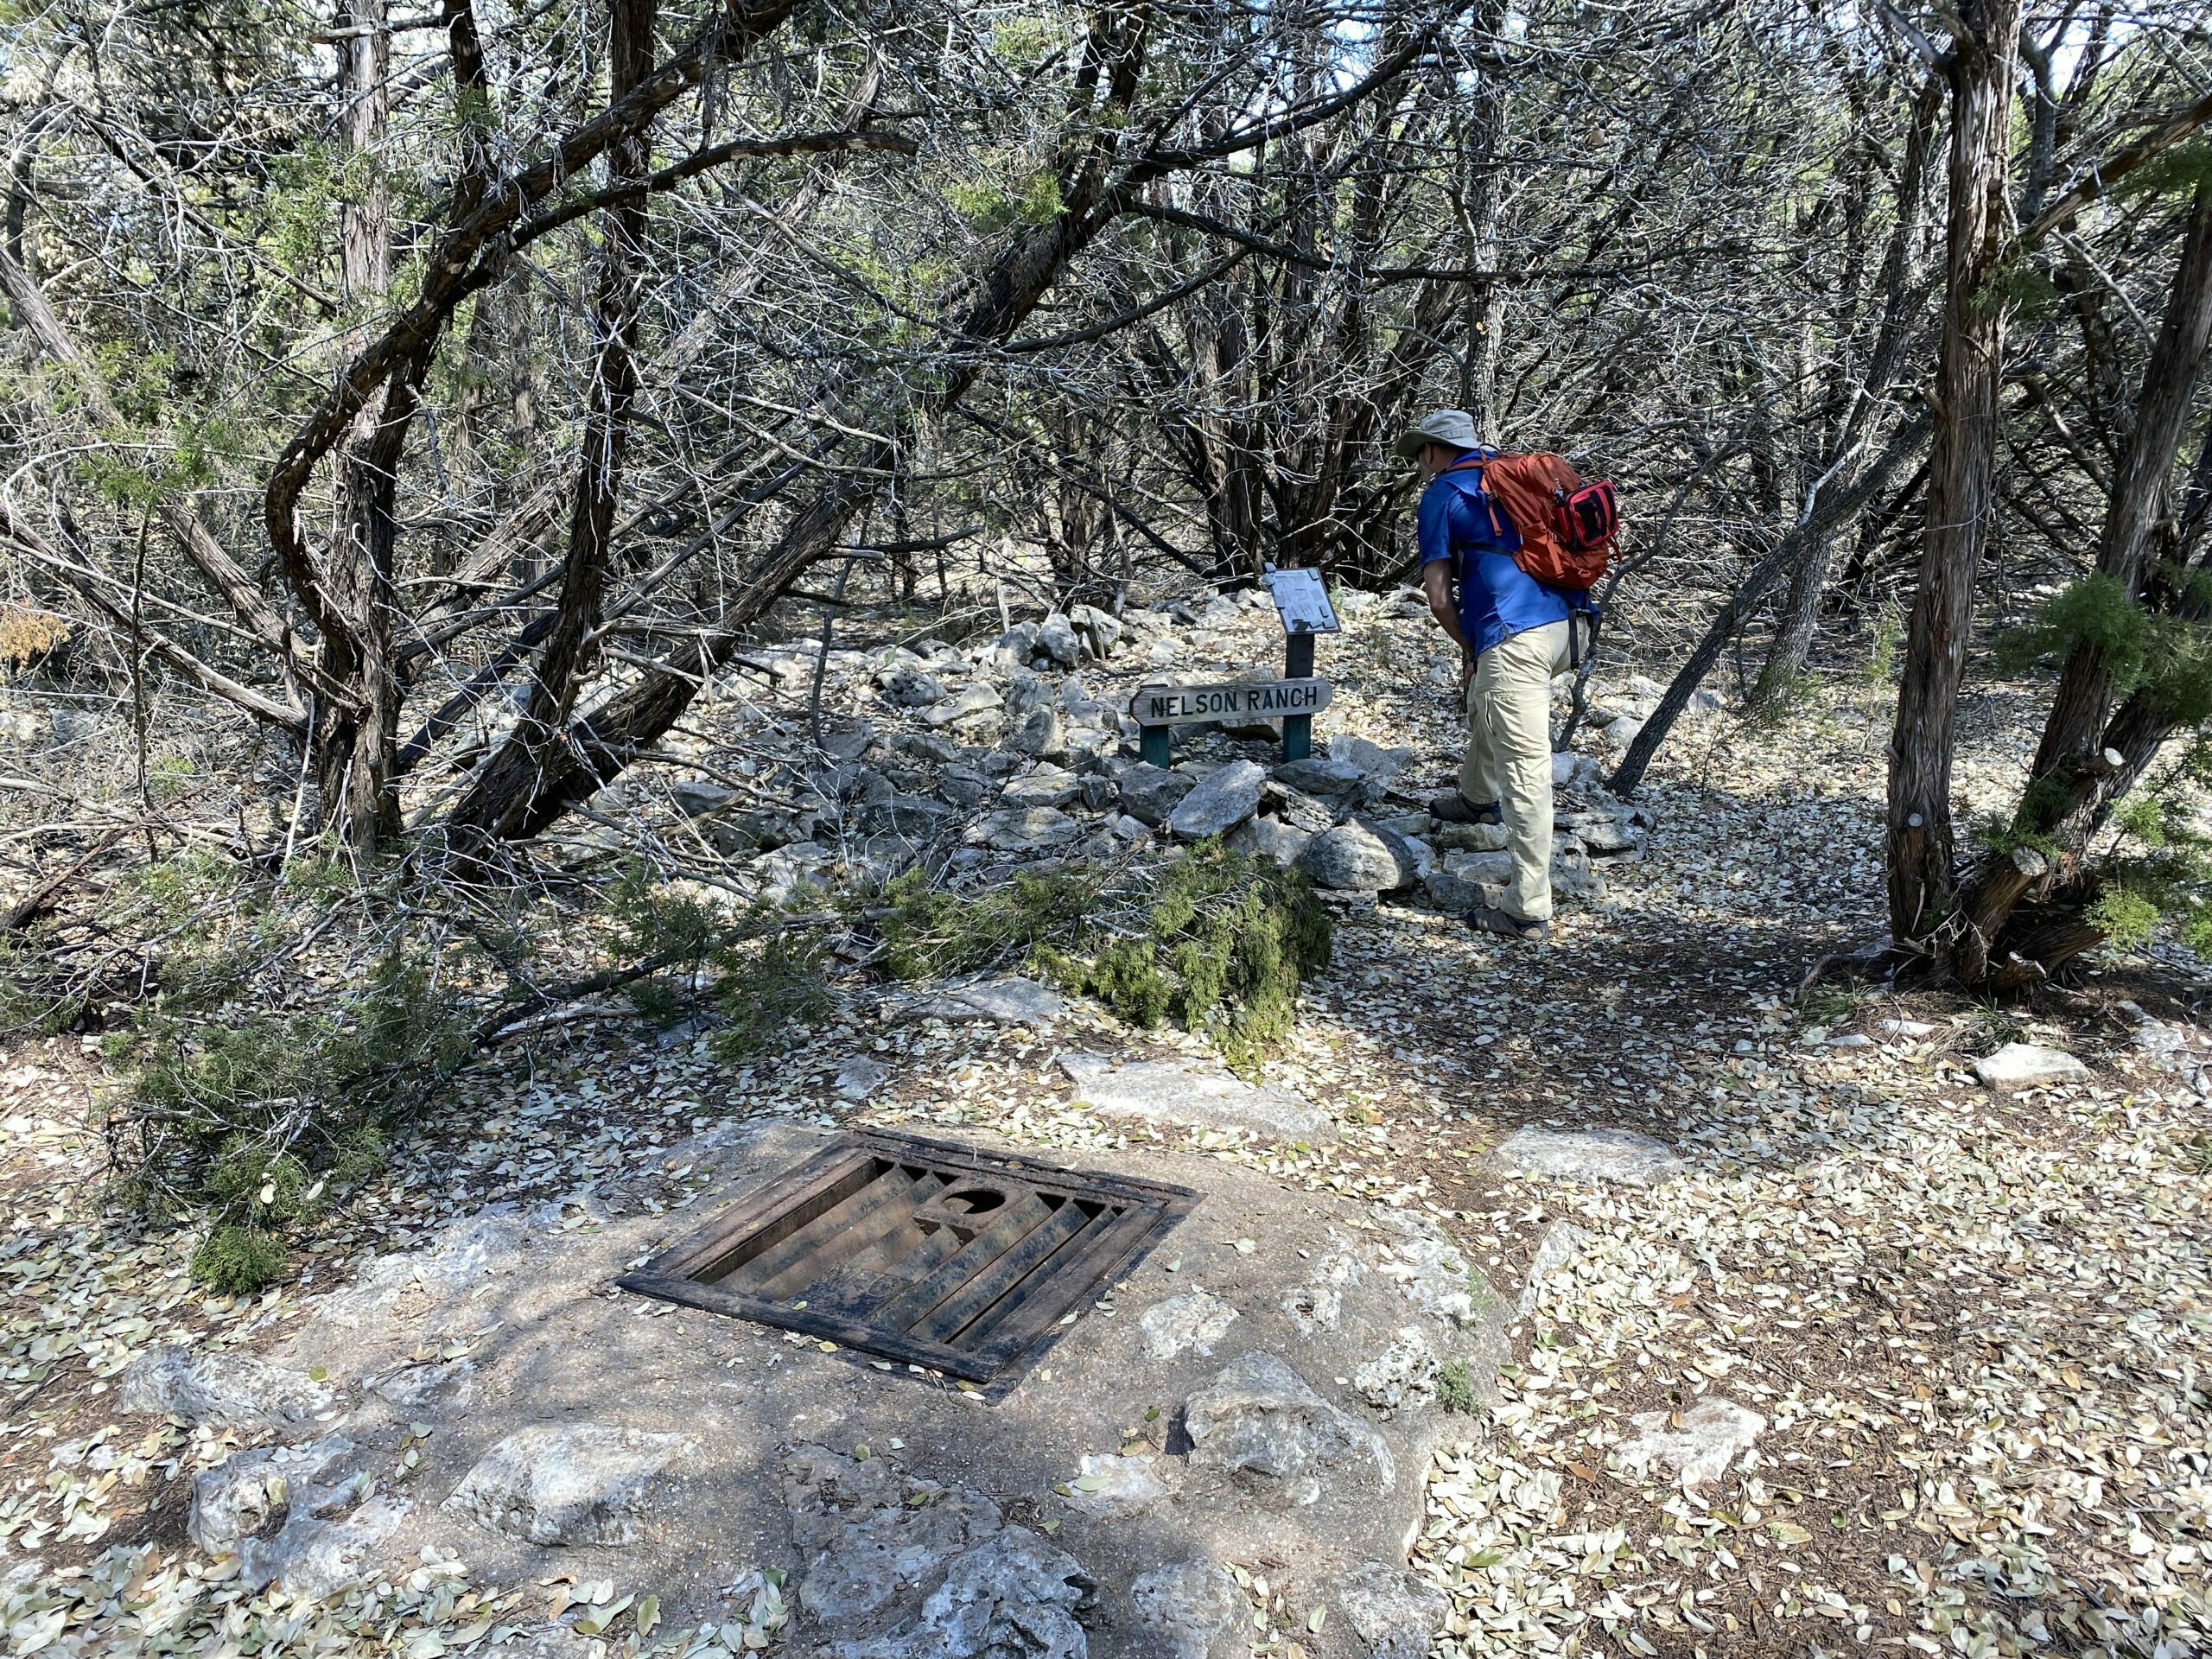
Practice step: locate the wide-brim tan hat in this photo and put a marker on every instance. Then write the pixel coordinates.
(1451, 427)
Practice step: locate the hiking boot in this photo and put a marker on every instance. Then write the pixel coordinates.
(1452, 807)
(1483, 919)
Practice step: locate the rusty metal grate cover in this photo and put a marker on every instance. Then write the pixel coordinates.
(942, 1256)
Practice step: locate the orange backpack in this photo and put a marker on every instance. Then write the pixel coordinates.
(1566, 524)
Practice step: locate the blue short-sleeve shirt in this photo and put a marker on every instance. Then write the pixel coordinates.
(1497, 598)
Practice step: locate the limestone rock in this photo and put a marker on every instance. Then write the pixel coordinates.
(1200, 1096)
(1009, 1000)
(976, 700)
(1394, 1612)
(1258, 1424)
(695, 797)
(1561, 1242)
(1041, 733)
(1271, 839)
(1471, 838)
(907, 815)
(1622, 730)
(860, 1076)
(963, 786)
(553, 1484)
(2027, 1066)
(1098, 630)
(1056, 638)
(1013, 1597)
(1107, 1483)
(1316, 1307)
(271, 1510)
(860, 1537)
(1149, 794)
(1572, 771)
(1405, 1369)
(1712, 1433)
(1024, 829)
(1353, 858)
(1382, 766)
(228, 1390)
(1317, 776)
(1428, 1268)
(1193, 1321)
(1048, 785)
(909, 688)
(1219, 803)
(1589, 1155)
(1194, 1609)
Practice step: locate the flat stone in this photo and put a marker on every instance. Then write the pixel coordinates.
(561, 1484)
(1009, 1000)
(1618, 1155)
(1317, 776)
(1470, 838)
(1282, 843)
(1193, 1322)
(1394, 1611)
(2027, 1066)
(228, 1390)
(1909, 1029)
(866, 1533)
(1220, 803)
(1382, 765)
(1353, 858)
(975, 700)
(1258, 1424)
(1024, 829)
(1048, 786)
(1713, 1432)
(441, 1382)
(1149, 794)
(860, 1076)
(1195, 1095)
(695, 797)
(1572, 771)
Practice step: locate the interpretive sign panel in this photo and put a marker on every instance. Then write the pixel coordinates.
(1171, 705)
(1301, 601)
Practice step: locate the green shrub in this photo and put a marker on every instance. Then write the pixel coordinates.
(1225, 942)
(1455, 1387)
(926, 929)
(782, 987)
(238, 1261)
(2124, 916)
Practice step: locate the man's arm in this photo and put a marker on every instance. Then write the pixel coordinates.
(1436, 582)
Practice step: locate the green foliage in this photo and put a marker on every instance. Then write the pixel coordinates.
(2126, 917)
(1225, 943)
(1455, 1387)
(237, 1261)
(2144, 817)
(927, 929)
(1887, 640)
(2094, 613)
(2181, 171)
(783, 987)
(990, 206)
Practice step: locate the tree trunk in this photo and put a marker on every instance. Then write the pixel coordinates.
(1981, 70)
(355, 733)
(501, 792)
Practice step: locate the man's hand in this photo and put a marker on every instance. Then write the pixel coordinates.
(1436, 583)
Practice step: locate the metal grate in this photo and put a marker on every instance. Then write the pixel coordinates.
(941, 1256)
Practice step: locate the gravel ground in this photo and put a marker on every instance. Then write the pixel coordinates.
(1974, 1330)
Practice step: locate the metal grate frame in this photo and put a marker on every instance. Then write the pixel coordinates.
(943, 1255)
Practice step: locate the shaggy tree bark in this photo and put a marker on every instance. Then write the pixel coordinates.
(1982, 67)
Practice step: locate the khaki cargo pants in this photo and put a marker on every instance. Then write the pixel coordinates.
(1509, 756)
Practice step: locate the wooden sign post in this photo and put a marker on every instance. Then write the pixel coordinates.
(1302, 605)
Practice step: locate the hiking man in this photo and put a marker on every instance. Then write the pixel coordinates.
(1516, 634)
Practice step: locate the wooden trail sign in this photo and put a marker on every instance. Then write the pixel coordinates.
(1241, 700)
(1294, 701)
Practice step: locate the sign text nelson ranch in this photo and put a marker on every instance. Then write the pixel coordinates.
(1170, 705)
